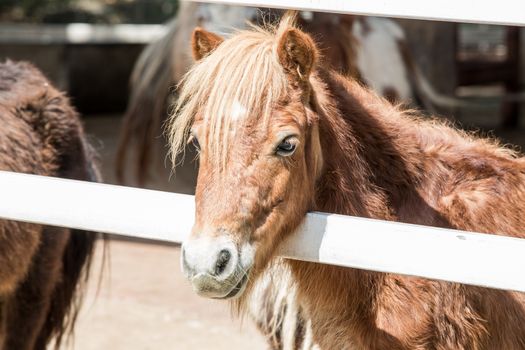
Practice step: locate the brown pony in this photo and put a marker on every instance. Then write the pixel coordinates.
(279, 135)
(41, 267)
(354, 46)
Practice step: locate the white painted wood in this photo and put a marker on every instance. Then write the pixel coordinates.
(97, 207)
(479, 259)
(507, 12)
(80, 33)
(444, 254)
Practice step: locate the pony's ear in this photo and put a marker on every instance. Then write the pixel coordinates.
(297, 53)
(204, 42)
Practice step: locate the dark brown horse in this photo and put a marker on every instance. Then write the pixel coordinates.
(279, 134)
(42, 268)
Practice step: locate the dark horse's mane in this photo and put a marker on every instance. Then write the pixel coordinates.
(43, 129)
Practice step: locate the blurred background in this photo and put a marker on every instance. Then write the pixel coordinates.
(120, 60)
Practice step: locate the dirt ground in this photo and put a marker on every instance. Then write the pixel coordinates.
(143, 301)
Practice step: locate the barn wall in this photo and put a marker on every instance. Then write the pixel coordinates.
(95, 76)
(432, 44)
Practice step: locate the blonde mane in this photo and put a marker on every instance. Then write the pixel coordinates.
(242, 71)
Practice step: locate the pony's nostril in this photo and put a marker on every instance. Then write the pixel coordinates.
(222, 261)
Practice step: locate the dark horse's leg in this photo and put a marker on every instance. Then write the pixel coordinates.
(18, 244)
(26, 310)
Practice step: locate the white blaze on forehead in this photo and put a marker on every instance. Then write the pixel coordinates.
(238, 111)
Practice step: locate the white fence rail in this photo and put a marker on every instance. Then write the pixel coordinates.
(479, 259)
(506, 12)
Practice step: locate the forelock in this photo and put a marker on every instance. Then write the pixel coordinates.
(241, 81)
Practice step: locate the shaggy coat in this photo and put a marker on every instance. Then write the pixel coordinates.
(355, 154)
(40, 267)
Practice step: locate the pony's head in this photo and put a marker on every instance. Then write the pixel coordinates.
(247, 105)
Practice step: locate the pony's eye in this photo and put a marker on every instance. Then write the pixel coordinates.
(286, 147)
(193, 140)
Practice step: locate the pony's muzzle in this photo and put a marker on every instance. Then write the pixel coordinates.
(214, 266)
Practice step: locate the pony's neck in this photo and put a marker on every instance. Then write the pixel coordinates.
(362, 137)
(364, 175)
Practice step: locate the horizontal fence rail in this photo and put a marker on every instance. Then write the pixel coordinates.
(451, 255)
(506, 12)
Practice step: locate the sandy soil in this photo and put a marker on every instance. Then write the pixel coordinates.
(144, 302)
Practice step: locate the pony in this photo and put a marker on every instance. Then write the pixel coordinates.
(42, 269)
(280, 134)
(373, 50)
